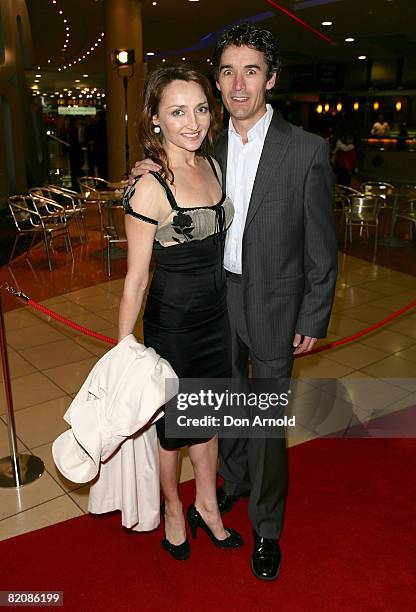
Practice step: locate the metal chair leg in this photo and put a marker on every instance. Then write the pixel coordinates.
(46, 241)
(30, 245)
(14, 247)
(84, 224)
(70, 243)
(108, 257)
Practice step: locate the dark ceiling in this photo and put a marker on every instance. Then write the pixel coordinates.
(383, 29)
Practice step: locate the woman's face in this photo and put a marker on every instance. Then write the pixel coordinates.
(183, 115)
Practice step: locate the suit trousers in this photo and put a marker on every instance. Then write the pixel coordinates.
(257, 466)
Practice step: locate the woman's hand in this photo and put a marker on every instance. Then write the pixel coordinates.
(143, 167)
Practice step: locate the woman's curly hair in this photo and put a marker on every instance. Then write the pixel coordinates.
(153, 91)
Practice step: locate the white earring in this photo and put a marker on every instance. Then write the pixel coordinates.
(156, 129)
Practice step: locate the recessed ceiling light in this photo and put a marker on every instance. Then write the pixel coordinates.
(349, 39)
(77, 81)
(38, 76)
(326, 23)
(362, 57)
(85, 76)
(193, 0)
(150, 53)
(163, 60)
(183, 59)
(36, 81)
(154, 3)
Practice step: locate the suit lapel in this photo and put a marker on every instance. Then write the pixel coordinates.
(221, 151)
(274, 150)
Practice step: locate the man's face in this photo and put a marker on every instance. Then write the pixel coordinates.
(243, 82)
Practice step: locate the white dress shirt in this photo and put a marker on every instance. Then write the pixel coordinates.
(242, 163)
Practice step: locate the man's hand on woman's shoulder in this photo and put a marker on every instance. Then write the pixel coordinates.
(143, 167)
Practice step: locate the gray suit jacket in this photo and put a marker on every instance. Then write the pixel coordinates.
(289, 241)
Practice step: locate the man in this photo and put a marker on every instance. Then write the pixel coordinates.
(380, 128)
(280, 260)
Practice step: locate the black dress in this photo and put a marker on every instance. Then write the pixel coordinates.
(185, 318)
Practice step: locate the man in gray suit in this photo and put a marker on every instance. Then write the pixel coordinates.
(280, 259)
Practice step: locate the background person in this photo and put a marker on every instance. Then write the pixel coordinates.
(380, 128)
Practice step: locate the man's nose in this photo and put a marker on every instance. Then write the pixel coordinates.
(238, 82)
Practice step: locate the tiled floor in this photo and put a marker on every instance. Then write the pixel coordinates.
(49, 361)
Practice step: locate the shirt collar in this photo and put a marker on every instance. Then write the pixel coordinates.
(259, 130)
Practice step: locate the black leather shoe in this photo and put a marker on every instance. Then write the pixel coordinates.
(266, 558)
(180, 552)
(195, 520)
(227, 502)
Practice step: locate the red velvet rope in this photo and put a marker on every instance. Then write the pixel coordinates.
(319, 349)
(361, 333)
(61, 319)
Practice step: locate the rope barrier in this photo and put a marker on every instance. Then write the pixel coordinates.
(113, 341)
(361, 333)
(61, 319)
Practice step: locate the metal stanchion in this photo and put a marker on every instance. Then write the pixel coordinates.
(15, 470)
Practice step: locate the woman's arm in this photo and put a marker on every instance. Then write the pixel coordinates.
(140, 237)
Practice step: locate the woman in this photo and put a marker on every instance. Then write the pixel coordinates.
(181, 215)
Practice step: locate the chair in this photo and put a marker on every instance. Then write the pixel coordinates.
(90, 187)
(407, 211)
(341, 202)
(65, 198)
(114, 232)
(362, 211)
(35, 215)
(380, 190)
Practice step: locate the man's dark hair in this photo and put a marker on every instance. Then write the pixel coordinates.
(248, 35)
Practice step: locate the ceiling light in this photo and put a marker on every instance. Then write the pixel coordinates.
(350, 39)
(154, 3)
(362, 57)
(36, 81)
(77, 81)
(163, 60)
(150, 53)
(356, 106)
(398, 106)
(326, 23)
(326, 107)
(319, 108)
(60, 12)
(49, 61)
(376, 105)
(183, 59)
(85, 76)
(38, 76)
(339, 107)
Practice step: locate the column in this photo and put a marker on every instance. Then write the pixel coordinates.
(123, 30)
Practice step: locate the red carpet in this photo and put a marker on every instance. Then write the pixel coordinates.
(348, 544)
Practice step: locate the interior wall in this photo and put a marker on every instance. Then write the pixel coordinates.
(23, 158)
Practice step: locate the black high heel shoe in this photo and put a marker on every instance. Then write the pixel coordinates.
(195, 520)
(180, 552)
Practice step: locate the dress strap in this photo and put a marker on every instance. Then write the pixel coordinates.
(166, 187)
(211, 163)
